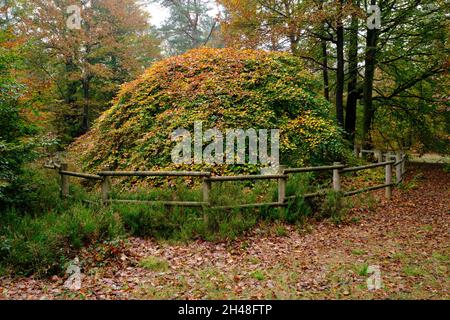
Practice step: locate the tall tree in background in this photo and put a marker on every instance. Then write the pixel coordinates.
(301, 27)
(264, 24)
(411, 79)
(86, 65)
(369, 72)
(352, 89)
(189, 26)
(340, 64)
(385, 64)
(394, 72)
(408, 50)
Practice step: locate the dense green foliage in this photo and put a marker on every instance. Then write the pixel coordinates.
(411, 100)
(225, 89)
(15, 148)
(395, 75)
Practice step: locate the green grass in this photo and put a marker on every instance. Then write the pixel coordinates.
(281, 231)
(358, 252)
(254, 260)
(154, 264)
(447, 167)
(361, 269)
(400, 256)
(413, 184)
(414, 271)
(431, 158)
(258, 275)
(440, 256)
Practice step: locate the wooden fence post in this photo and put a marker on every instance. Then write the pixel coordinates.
(398, 167)
(379, 156)
(106, 186)
(64, 181)
(282, 190)
(206, 188)
(282, 185)
(403, 163)
(388, 181)
(336, 178)
(356, 150)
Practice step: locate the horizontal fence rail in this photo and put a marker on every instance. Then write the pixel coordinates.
(248, 177)
(207, 180)
(352, 193)
(251, 205)
(369, 166)
(163, 203)
(310, 195)
(312, 169)
(154, 174)
(81, 175)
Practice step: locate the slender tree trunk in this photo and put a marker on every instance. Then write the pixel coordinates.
(340, 69)
(71, 88)
(86, 83)
(326, 81)
(352, 97)
(86, 92)
(293, 43)
(370, 62)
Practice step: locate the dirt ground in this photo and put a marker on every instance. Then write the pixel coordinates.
(407, 238)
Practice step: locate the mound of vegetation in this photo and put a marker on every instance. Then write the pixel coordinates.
(224, 89)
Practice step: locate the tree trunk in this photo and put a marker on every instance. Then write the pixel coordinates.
(352, 97)
(326, 82)
(86, 91)
(72, 86)
(293, 43)
(340, 69)
(370, 62)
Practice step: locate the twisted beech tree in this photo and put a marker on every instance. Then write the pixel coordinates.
(224, 89)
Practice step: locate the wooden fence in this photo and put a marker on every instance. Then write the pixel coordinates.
(207, 180)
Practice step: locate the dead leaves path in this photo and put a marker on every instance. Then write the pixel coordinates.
(408, 238)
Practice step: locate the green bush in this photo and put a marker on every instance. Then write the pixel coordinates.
(16, 147)
(446, 167)
(298, 209)
(36, 191)
(268, 90)
(229, 224)
(146, 221)
(333, 207)
(43, 244)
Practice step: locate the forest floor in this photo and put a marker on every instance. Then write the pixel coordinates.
(407, 238)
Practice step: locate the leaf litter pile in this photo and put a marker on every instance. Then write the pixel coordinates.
(407, 238)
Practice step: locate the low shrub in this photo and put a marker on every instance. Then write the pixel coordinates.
(43, 244)
(333, 207)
